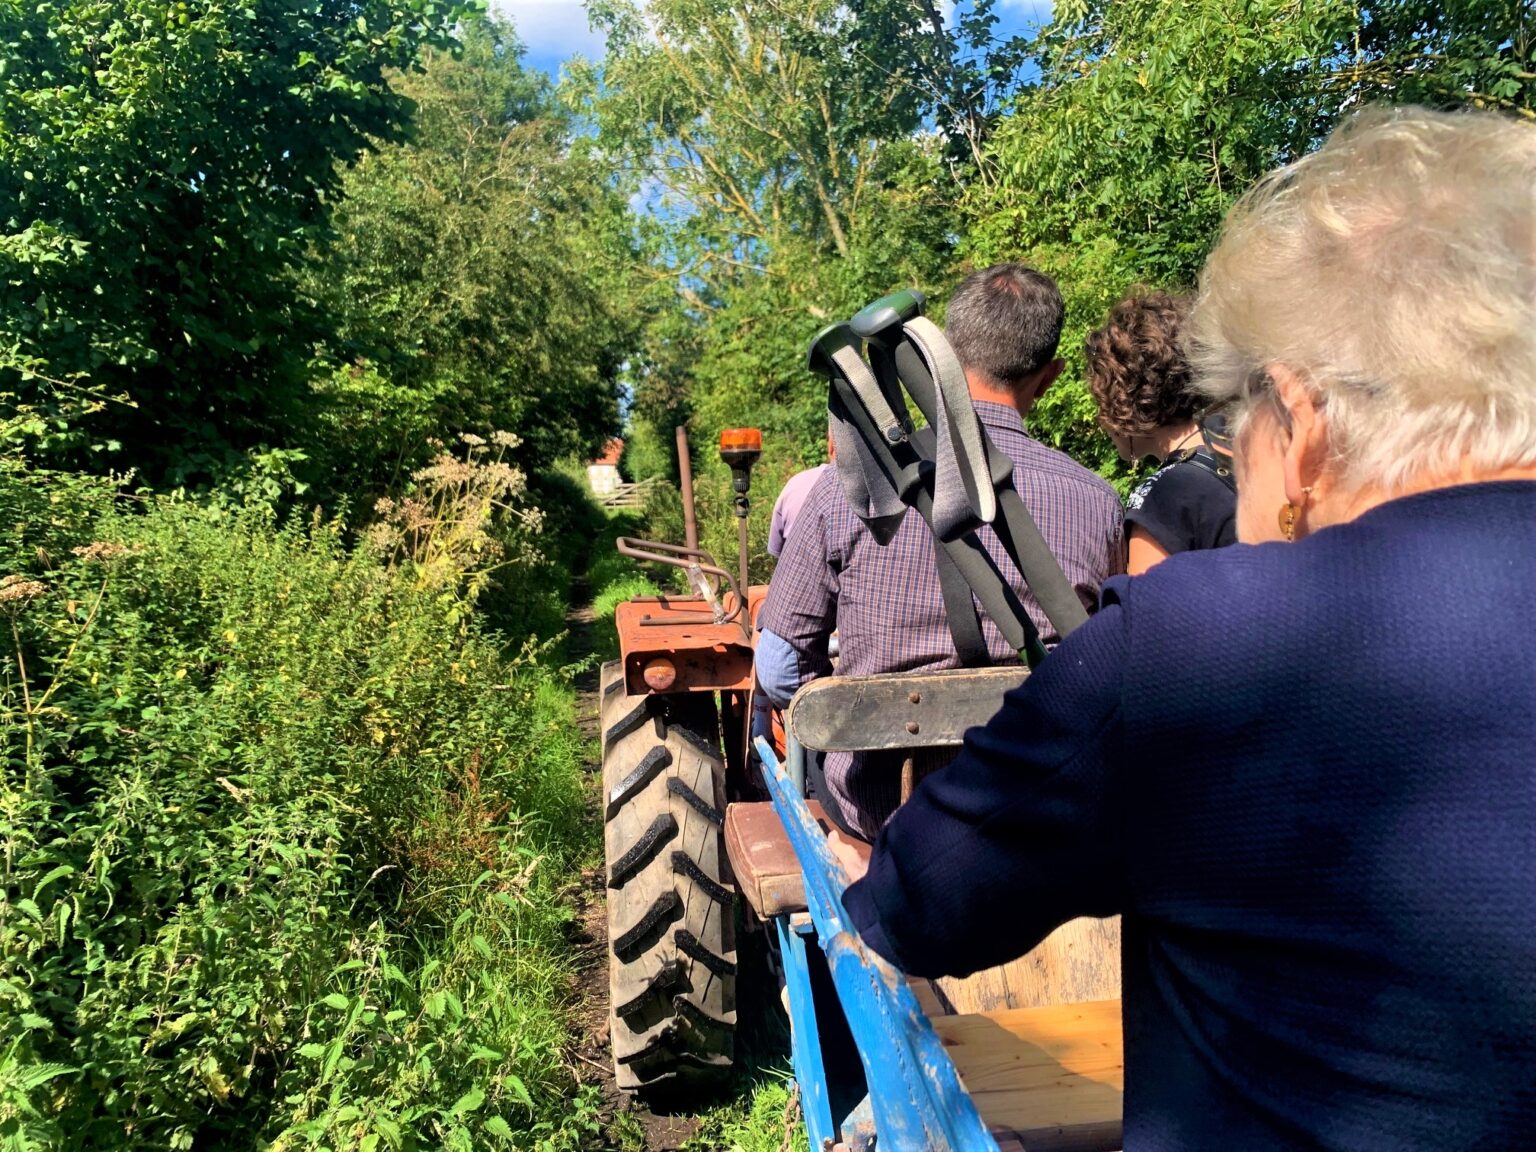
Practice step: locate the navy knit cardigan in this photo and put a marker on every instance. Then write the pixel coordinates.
(1306, 776)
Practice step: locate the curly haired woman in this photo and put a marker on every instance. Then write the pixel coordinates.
(1141, 382)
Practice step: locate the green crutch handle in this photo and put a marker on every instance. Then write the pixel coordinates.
(888, 312)
(825, 345)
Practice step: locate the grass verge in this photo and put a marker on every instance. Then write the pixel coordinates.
(764, 1119)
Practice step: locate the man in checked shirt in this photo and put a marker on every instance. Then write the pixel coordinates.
(885, 602)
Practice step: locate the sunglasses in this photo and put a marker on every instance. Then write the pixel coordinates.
(1216, 428)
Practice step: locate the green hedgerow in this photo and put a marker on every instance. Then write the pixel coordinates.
(284, 834)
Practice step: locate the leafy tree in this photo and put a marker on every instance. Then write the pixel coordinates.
(163, 168)
(763, 119)
(479, 272)
(785, 153)
(1149, 118)
(1443, 52)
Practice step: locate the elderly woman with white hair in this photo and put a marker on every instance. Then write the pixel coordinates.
(1303, 768)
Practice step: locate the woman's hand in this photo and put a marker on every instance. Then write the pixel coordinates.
(852, 854)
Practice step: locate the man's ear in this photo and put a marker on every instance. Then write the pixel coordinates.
(1038, 384)
(1306, 452)
(1048, 375)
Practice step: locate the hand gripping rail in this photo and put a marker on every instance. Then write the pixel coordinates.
(950, 472)
(915, 1093)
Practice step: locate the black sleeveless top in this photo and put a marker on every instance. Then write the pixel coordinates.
(1188, 504)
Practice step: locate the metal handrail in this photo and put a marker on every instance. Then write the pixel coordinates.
(914, 1090)
(678, 556)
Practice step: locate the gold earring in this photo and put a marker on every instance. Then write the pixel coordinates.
(1290, 513)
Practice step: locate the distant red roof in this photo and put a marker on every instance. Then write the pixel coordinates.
(611, 453)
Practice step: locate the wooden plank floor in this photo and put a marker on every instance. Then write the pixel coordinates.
(1047, 1079)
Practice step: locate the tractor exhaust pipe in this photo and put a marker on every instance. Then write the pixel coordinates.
(685, 482)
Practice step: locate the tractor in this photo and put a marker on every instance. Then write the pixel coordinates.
(1026, 1056)
(675, 716)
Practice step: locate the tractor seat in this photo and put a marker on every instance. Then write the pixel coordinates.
(762, 860)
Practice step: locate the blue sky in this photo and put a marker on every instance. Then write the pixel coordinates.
(553, 30)
(556, 30)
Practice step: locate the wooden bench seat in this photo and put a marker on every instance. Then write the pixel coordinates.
(1043, 1079)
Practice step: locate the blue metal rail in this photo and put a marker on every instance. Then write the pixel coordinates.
(915, 1096)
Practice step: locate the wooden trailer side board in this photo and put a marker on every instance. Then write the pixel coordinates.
(1078, 961)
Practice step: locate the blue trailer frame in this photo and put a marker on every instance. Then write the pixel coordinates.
(915, 1098)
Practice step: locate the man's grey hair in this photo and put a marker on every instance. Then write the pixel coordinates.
(1005, 322)
(1394, 270)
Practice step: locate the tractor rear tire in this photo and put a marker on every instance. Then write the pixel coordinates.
(671, 903)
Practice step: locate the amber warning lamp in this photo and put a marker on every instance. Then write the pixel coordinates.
(740, 449)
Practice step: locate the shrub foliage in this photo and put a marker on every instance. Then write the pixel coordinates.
(164, 167)
(282, 837)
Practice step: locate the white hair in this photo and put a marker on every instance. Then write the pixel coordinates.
(1394, 270)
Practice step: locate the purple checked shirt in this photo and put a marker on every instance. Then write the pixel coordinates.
(886, 605)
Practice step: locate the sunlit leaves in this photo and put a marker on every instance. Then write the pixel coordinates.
(782, 152)
(185, 156)
(473, 278)
(1150, 117)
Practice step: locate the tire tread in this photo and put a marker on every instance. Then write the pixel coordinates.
(671, 901)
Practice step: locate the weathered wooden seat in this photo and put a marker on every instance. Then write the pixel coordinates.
(864, 713)
(1043, 1079)
(763, 861)
(906, 710)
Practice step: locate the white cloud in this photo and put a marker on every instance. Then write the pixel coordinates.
(552, 29)
(1033, 11)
